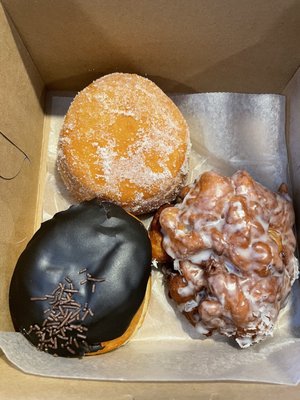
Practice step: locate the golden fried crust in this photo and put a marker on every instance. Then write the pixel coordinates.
(135, 324)
(156, 238)
(123, 140)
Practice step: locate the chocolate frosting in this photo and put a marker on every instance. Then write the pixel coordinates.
(96, 249)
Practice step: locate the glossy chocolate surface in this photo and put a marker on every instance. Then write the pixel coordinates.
(96, 249)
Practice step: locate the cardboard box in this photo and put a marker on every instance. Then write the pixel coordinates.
(184, 46)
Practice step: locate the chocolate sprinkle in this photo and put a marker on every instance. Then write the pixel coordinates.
(90, 278)
(51, 335)
(82, 271)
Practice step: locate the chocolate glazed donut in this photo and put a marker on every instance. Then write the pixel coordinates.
(81, 280)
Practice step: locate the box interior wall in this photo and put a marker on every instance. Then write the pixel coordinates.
(194, 46)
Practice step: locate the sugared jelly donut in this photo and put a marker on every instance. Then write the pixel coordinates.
(123, 140)
(81, 286)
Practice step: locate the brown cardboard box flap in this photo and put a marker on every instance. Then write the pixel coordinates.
(196, 46)
(21, 124)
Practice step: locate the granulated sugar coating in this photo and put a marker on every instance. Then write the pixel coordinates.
(124, 140)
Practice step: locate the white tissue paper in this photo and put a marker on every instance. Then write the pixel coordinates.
(228, 132)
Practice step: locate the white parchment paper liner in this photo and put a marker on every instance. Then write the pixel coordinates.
(229, 132)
